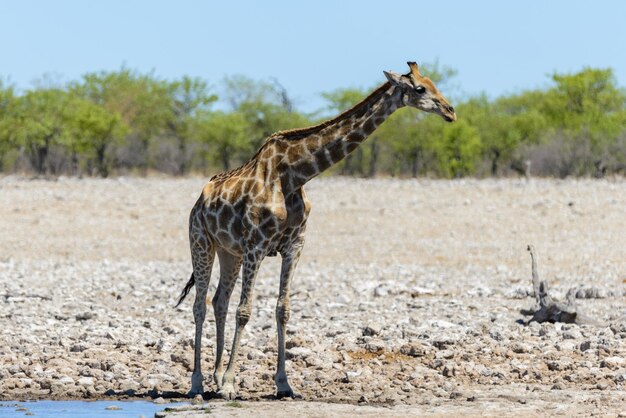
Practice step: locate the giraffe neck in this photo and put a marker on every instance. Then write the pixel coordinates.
(313, 150)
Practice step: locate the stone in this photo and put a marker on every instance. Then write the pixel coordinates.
(585, 345)
(375, 346)
(112, 408)
(351, 376)
(613, 363)
(313, 361)
(521, 348)
(66, 380)
(299, 353)
(255, 354)
(444, 354)
(558, 386)
(572, 334)
(458, 394)
(372, 329)
(602, 386)
(381, 291)
(85, 316)
(85, 381)
(449, 370)
(413, 349)
(247, 382)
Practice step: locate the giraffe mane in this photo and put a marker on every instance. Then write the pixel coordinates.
(300, 132)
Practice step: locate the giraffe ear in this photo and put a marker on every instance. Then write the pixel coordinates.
(394, 78)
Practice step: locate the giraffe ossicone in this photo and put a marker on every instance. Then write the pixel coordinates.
(260, 209)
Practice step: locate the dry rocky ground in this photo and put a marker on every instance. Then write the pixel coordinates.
(406, 301)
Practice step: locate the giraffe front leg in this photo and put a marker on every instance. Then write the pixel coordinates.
(229, 271)
(220, 310)
(250, 268)
(283, 310)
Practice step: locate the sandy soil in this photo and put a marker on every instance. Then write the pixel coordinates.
(406, 300)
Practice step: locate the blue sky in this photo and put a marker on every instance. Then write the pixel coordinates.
(497, 47)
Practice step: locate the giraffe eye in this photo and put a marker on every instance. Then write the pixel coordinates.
(420, 89)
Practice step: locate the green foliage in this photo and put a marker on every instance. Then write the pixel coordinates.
(141, 100)
(585, 120)
(266, 107)
(39, 123)
(91, 130)
(343, 99)
(504, 126)
(128, 121)
(188, 98)
(588, 103)
(458, 149)
(225, 135)
(7, 104)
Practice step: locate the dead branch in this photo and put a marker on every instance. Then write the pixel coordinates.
(550, 310)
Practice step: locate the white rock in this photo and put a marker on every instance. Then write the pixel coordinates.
(85, 381)
(299, 352)
(66, 380)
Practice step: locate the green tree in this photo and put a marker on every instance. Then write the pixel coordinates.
(586, 114)
(458, 149)
(39, 122)
(7, 105)
(265, 106)
(188, 96)
(505, 125)
(225, 135)
(411, 142)
(92, 129)
(588, 104)
(141, 100)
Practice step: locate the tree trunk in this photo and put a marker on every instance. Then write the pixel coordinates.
(74, 163)
(358, 167)
(415, 164)
(39, 155)
(347, 165)
(101, 165)
(374, 150)
(494, 163)
(182, 150)
(225, 157)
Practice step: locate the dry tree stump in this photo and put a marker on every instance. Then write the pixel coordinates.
(548, 309)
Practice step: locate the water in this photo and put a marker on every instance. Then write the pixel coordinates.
(81, 409)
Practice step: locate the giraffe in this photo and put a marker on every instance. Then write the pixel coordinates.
(260, 209)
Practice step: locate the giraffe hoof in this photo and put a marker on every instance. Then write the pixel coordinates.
(195, 391)
(287, 394)
(227, 392)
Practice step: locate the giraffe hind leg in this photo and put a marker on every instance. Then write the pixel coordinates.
(202, 256)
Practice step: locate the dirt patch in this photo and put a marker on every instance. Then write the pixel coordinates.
(408, 294)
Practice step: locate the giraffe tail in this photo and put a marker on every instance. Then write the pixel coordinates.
(186, 290)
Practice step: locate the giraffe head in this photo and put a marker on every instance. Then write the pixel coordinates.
(420, 92)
